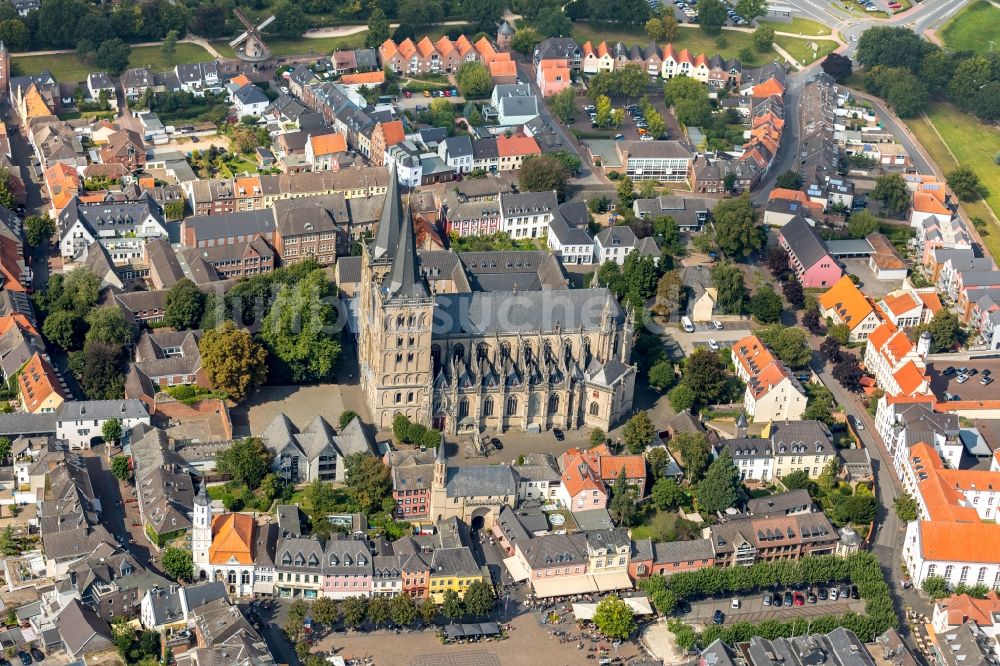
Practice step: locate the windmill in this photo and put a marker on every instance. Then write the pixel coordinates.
(250, 45)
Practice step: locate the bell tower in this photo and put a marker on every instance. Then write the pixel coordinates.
(4, 68)
(201, 529)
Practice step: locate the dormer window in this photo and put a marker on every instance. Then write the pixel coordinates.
(313, 560)
(334, 561)
(286, 559)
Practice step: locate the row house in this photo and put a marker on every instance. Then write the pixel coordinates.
(845, 304)
(121, 227)
(744, 542)
(199, 78)
(653, 558)
(578, 563)
(896, 363)
(906, 308)
(904, 422)
(231, 261)
(359, 183)
(209, 231)
(589, 475)
(412, 472)
(772, 392)
(444, 55)
(984, 318)
(710, 172)
(783, 447)
(219, 196)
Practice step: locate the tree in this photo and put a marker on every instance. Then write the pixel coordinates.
(65, 328)
(232, 360)
(613, 617)
(484, 15)
(736, 230)
(731, 292)
(820, 406)
(670, 26)
(848, 372)
(656, 125)
(185, 305)
(705, 373)
(654, 30)
(113, 55)
(631, 81)
(790, 344)
(473, 79)
(682, 398)
(670, 289)
(525, 40)
(99, 368)
(638, 432)
(247, 461)
(794, 293)
(861, 224)
(766, 305)
(542, 173)
(111, 431)
(369, 480)
(5, 447)
(906, 507)
(59, 21)
(178, 564)
(661, 375)
(121, 469)
(563, 104)
(797, 480)
(964, 182)
(857, 509)
(720, 488)
(892, 192)
(622, 505)
(790, 180)
(14, 34)
(891, 47)
(839, 333)
(108, 326)
(379, 611)
(452, 605)
(657, 458)
(751, 9)
(696, 454)
(168, 47)
(418, 13)
(970, 75)
(442, 112)
(209, 20)
(712, 16)
(811, 321)
(354, 610)
(428, 611)
(571, 161)
(667, 495)
(378, 28)
(553, 22)
(9, 546)
(479, 599)
(346, 417)
(324, 611)
(763, 38)
(936, 587)
(945, 331)
(39, 230)
(290, 21)
(403, 610)
(838, 66)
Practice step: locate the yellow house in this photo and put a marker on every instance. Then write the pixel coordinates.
(39, 387)
(452, 569)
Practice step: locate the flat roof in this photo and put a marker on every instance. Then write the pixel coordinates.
(839, 248)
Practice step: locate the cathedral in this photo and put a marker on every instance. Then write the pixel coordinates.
(489, 358)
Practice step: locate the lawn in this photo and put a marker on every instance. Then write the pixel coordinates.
(69, 67)
(801, 50)
(288, 47)
(692, 39)
(655, 524)
(968, 29)
(799, 26)
(975, 145)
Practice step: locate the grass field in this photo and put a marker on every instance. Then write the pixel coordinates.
(967, 31)
(975, 144)
(68, 67)
(692, 39)
(799, 26)
(287, 47)
(801, 50)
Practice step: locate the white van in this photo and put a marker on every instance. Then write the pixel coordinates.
(686, 323)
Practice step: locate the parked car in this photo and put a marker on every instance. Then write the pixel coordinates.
(854, 592)
(645, 137)
(949, 371)
(776, 599)
(811, 598)
(427, 93)
(799, 599)
(788, 598)
(407, 94)
(821, 593)
(717, 325)
(766, 602)
(497, 444)
(735, 603)
(719, 617)
(683, 607)
(25, 658)
(37, 654)
(713, 345)
(972, 372)
(454, 92)
(985, 380)
(447, 93)
(962, 378)
(858, 423)
(559, 434)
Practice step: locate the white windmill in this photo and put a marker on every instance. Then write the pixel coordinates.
(250, 45)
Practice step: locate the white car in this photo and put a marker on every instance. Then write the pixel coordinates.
(713, 345)
(717, 325)
(735, 603)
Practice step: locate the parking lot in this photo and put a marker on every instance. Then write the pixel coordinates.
(704, 334)
(686, 11)
(628, 130)
(752, 609)
(947, 384)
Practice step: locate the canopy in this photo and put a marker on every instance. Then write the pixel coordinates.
(472, 630)
(639, 606)
(517, 569)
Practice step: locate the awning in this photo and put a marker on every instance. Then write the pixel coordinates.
(517, 569)
(639, 606)
(613, 580)
(559, 586)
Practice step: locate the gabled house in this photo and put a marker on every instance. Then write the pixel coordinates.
(316, 452)
(807, 255)
(121, 227)
(773, 392)
(39, 388)
(845, 304)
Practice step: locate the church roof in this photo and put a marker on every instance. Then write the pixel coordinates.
(232, 539)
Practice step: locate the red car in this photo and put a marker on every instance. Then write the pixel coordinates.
(407, 94)
(447, 93)
(798, 599)
(894, 5)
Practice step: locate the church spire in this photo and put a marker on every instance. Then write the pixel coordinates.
(404, 279)
(387, 234)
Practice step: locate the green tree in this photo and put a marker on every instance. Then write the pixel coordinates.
(354, 610)
(711, 16)
(178, 564)
(891, 46)
(232, 360)
(99, 369)
(945, 330)
(563, 104)
(553, 22)
(820, 406)
(654, 30)
(542, 173)
(839, 332)
(379, 611)
(473, 80)
(442, 112)
(622, 505)
(705, 373)
(751, 9)
(121, 469)
(720, 489)
(479, 599)
(14, 34)
(638, 432)
(403, 610)
(108, 326)
(790, 180)
(65, 328)
(613, 617)
(290, 21)
(452, 605)
(5, 447)
(696, 454)
(9, 546)
(247, 461)
(936, 587)
(525, 40)
(113, 55)
(906, 507)
(892, 192)
(667, 495)
(861, 224)
(661, 375)
(378, 28)
(39, 230)
(964, 182)
(766, 305)
(763, 38)
(484, 15)
(428, 611)
(630, 81)
(731, 291)
(602, 105)
(670, 24)
(185, 305)
(168, 47)
(571, 161)
(791, 345)
(369, 480)
(857, 509)
(797, 480)
(111, 431)
(736, 230)
(657, 458)
(597, 436)
(346, 417)
(682, 397)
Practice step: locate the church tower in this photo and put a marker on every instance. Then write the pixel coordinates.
(4, 69)
(201, 529)
(439, 492)
(395, 319)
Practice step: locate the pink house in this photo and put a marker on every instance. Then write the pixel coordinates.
(552, 76)
(347, 569)
(582, 488)
(807, 254)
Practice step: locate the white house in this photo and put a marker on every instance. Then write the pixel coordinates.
(528, 214)
(752, 457)
(79, 423)
(959, 609)
(574, 244)
(199, 78)
(772, 393)
(406, 158)
(98, 82)
(615, 243)
(896, 363)
(123, 227)
(456, 151)
(515, 111)
(250, 101)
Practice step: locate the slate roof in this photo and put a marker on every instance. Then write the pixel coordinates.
(803, 241)
(529, 311)
(454, 562)
(481, 481)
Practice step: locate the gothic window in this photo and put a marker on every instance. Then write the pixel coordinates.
(594, 407)
(482, 351)
(504, 351)
(511, 406)
(399, 321)
(488, 407)
(586, 351)
(245, 578)
(399, 397)
(548, 350)
(463, 408)
(614, 345)
(527, 354)
(554, 404)
(436, 355)
(458, 352)
(567, 351)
